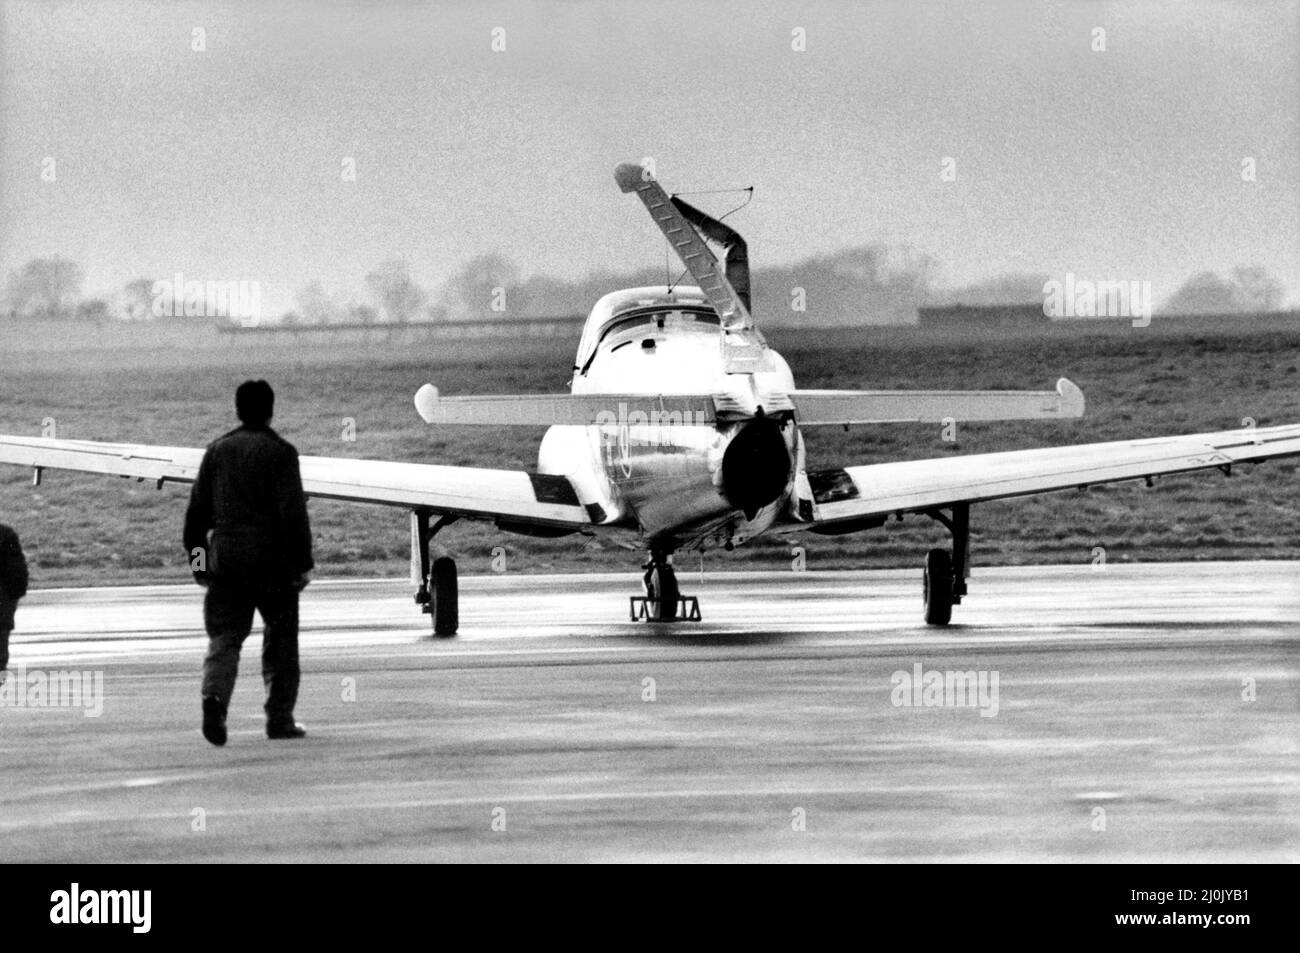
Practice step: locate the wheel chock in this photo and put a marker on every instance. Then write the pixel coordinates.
(688, 610)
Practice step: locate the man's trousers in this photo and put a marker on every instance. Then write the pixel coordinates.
(228, 617)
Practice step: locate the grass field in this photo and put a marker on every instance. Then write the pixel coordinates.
(1138, 382)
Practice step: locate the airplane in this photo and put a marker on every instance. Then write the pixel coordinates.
(683, 427)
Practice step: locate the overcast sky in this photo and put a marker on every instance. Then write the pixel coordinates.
(226, 164)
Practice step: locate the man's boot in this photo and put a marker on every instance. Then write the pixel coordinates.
(282, 730)
(214, 720)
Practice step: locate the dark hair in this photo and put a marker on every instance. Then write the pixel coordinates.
(254, 403)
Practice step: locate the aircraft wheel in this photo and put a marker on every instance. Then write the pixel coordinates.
(661, 590)
(444, 597)
(938, 587)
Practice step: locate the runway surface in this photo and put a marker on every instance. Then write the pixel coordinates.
(1140, 713)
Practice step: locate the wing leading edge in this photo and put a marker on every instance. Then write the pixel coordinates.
(858, 493)
(465, 491)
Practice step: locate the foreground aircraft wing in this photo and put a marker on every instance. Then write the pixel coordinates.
(858, 494)
(507, 495)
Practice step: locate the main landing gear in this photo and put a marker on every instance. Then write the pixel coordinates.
(663, 601)
(437, 595)
(946, 572)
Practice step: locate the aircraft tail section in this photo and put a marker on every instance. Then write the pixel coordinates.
(810, 407)
(549, 410)
(735, 251)
(687, 243)
(813, 407)
(743, 349)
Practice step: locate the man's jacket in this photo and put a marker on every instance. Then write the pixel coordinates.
(249, 495)
(13, 575)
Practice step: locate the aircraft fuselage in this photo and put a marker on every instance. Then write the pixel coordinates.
(685, 486)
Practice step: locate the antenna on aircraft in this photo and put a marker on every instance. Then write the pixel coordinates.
(733, 247)
(727, 288)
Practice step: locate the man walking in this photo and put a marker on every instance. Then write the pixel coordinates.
(249, 495)
(13, 586)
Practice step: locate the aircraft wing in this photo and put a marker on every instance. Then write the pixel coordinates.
(856, 494)
(475, 492)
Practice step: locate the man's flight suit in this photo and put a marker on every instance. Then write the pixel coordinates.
(249, 494)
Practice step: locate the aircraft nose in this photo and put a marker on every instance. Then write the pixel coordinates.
(755, 466)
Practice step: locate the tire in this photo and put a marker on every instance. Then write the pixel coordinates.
(938, 587)
(444, 597)
(661, 589)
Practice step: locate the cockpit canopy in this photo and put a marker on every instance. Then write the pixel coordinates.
(634, 310)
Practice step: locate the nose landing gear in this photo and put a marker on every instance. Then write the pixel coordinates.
(663, 601)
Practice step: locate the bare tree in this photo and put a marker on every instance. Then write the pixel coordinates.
(44, 288)
(92, 311)
(314, 305)
(361, 314)
(137, 300)
(395, 291)
(1260, 291)
(1248, 289)
(488, 286)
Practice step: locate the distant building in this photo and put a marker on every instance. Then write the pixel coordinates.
(999, 317)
